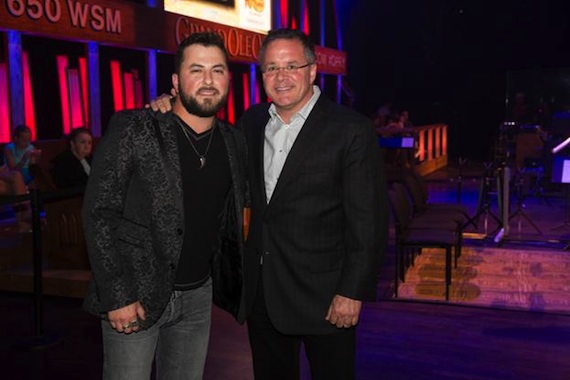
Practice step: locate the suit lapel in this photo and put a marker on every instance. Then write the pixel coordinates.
(302, 146)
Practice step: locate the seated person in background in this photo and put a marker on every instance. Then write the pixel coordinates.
(397, 157)
(405, 119)
(20, 153)
(12, 183)
(394, 121)
(71, 168)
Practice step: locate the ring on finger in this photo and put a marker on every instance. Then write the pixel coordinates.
(131, 324)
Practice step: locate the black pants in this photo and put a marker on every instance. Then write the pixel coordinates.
(276, 355)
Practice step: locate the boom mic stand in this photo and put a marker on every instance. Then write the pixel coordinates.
(484, 204)
(519, 212)
(507, 130)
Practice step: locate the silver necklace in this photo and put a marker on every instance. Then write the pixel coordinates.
(201, 157)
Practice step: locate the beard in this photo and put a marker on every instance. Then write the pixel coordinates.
(208, 109)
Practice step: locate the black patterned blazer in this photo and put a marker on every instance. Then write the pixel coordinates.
(325, 229)
(133, 213)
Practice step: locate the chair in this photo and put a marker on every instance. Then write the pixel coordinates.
(439, 216)
(418, 191)
(421, 232)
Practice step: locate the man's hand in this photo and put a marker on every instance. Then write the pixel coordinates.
(343, 311)
(126, 319)
(162, 103)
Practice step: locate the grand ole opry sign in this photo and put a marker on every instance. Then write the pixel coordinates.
(135, 26)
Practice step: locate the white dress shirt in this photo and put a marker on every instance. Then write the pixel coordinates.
(279, 139)
(86, 166)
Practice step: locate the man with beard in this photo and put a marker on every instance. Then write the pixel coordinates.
(162, 208)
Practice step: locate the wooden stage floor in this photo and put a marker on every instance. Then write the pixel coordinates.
(397, 340)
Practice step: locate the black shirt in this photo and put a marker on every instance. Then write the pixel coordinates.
(204, 191)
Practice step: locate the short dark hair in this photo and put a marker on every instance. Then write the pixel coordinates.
(288, 34)
(202, 38)
(76, 132)
(19, 129)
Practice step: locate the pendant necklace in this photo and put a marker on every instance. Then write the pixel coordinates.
(201, 157)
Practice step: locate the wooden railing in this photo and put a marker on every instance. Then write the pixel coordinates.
(430, 145)
(432, 148)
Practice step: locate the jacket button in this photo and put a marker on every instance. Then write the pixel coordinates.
(172, 266)
(179, 231)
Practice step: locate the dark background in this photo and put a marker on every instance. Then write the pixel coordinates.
(455, 61)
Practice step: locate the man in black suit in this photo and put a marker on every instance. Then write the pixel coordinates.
(163, 202)
(319, 218)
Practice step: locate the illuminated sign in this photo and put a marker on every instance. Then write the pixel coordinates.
(126, 24)
(254, 15)
(330, 61)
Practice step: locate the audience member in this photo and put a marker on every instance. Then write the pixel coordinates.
(405, 119)
(394, 121)
(12, 183)
(72, 167)
(20, 153)
(380, 116)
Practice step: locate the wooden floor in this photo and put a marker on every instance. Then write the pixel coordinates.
(396, 339)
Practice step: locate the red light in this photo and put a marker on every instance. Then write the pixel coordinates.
(74, 98)
(4, 108)
(84, 90)
(129, 93)
(284, 9)
(63, 91)
(117, 84)
(245, 81)
(231, 109)
(29, 114)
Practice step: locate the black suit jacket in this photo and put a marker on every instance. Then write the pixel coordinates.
(68, 171)
(325, 230)
(133, 214)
